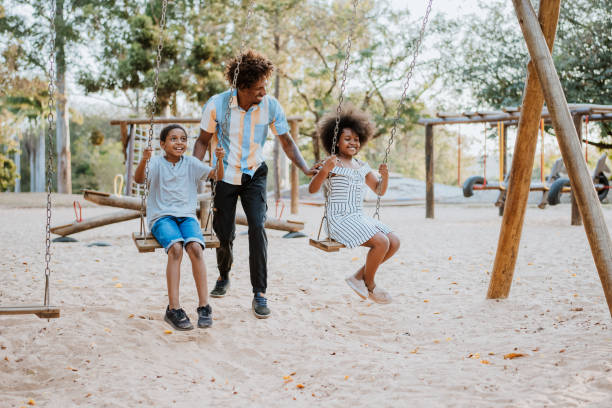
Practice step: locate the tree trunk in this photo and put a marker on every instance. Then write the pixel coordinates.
(32, 160)
(276, 156)
(64, 179)
(17, 160)
(40, 159)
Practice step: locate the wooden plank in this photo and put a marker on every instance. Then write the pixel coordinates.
(582, 184)
(326, 245)
(429, 172)
(575, 217)
(148, 243)
(95, 222)
(522, 165)
(44, 312)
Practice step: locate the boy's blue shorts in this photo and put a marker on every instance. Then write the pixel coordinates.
(169, 230)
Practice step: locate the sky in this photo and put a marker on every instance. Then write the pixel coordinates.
(417, 7)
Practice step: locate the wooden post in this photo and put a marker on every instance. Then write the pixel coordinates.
(576, 220)
(582, 185)
(295, 177)
(129, 177)
(522, 165)
(429, 172)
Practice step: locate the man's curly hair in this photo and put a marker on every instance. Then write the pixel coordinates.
(253, 67)
(351, 118)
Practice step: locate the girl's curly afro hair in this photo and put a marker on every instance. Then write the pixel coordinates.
(351, 118)
(253, 67)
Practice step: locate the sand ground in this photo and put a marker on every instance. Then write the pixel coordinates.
(440, 344)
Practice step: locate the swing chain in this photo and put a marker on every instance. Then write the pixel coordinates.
(160, 46)
(347, 61)
(49, 175)
(400, 104)
(226, 125)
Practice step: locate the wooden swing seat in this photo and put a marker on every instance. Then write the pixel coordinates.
(148, 243)
(327, 245)
(44, 312)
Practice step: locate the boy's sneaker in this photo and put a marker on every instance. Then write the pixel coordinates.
(178, 319)
(221, 287)
(260, 307)
(204, 316)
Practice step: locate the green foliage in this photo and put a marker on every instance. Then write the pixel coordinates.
(95, 166)
(8, 173)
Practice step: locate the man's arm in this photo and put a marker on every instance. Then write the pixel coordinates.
(293, 153)
(201, 145)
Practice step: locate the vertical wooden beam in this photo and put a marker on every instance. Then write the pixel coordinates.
(429, 172)
(522, 165)
(295, 177)
(129, 177)
(582, 185)
(576, 219)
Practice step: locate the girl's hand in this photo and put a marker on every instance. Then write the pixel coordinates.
(329, 163)
(383, 170)
(147, 153)
(219, 152)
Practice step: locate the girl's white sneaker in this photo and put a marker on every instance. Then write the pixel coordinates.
(358, 285)
(380, 295)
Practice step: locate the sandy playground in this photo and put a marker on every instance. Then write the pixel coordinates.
(440, 344)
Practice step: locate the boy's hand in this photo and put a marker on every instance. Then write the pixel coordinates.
(147, 153)
(329, 163)
(383, 170)
(219, 152)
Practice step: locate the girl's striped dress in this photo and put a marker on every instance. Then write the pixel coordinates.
(347, 223)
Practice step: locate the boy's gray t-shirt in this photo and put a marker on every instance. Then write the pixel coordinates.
(173, 188)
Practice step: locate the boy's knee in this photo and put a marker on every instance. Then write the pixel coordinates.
(194, 249)
(394, 242)
(176, 250)
(381, 241)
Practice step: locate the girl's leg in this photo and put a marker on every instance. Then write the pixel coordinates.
(194, 250)
(379, 246)
(173, 274)
(394, 244)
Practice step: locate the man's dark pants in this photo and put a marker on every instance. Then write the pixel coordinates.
(252, 194)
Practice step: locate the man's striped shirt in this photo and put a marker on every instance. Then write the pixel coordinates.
(248, 131)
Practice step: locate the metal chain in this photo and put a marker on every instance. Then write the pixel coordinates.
(49, 172)
(402, 99)
(225, 125)
(160, 46)
(347, 61)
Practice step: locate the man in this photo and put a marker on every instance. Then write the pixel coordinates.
(252, 113)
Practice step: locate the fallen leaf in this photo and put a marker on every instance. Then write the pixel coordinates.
(31, 402)
(562, 351)
(286, 377)
(168, 331)
(450, 258)
(118, 285)
(573, 274)
(414, 351)
(106, 329)
(511, 356)
(300, 386)
(115, 278)
(475, 356)
(425, 301)
(484, 362)
(131, 315)
(354, 258)
(346, 377)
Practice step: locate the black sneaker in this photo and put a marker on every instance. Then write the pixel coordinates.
(204, 316)
(221, 287)
(178, 319)
(260, 307)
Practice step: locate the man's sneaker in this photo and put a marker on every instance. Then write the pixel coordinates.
(221, 287)
(204, 316)
(178, 319)
(260, 307)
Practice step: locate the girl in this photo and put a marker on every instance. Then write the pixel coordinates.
(347, 223)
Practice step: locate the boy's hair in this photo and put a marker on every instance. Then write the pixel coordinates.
(253, 67)
(164, 133)
(351, 118)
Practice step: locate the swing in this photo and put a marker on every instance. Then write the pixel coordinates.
(145, 241)
(328, 244)
(44, 311)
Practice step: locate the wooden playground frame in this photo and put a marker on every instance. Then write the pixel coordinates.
(507, 117)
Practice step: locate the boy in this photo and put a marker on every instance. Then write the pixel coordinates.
(171, 216)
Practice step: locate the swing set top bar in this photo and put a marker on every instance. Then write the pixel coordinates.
(140, 121)
(511, 114)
